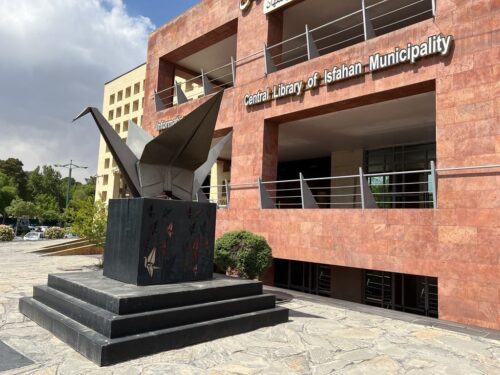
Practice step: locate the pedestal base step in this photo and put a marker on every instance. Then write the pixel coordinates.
(106, 337)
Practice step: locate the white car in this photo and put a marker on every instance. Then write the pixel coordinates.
(32, 236)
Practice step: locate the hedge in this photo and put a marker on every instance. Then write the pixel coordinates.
(6, 233)
(242, 252)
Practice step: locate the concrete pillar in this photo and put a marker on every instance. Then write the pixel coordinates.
(346, 163)
(254, 155)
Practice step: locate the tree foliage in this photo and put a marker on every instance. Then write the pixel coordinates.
(89, 220)
(40, 193)
(47, 180)
(47, 208)
(20, 208)
(13, 169)
(7, 193)
(246, 253)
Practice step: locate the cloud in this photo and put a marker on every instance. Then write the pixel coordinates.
(56, 57)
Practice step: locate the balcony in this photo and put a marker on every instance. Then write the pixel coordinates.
(308, 32)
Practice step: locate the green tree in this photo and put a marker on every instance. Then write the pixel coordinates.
(7, 194)
(89, 219)
(19, 208)
(47, 208)
(83, 191)
(47, 180)
(13, 168)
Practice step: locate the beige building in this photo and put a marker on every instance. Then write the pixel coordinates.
(123, 102)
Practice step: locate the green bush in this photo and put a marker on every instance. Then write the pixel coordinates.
(246, 253)
(54, 233)
(6, 233)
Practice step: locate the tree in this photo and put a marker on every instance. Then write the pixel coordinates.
(19, 208)
(7, 194)
(13, 168)
(47, 208)
(83, 191)
(47, 181)
(89, 220)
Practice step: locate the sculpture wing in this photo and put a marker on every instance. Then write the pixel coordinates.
(202, 172)
(186, 144)
(137, 138)
(123, 156)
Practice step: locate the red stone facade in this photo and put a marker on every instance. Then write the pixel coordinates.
(460, 241)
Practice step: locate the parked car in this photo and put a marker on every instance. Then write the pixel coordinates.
(33, 236)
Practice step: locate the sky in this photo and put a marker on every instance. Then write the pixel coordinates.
(56, 57)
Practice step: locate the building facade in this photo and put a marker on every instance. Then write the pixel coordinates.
(123, 102)
(365, 142)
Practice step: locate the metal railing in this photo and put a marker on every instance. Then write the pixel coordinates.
(218, 194)
(408, 189)
(405, 189)
(369, 21)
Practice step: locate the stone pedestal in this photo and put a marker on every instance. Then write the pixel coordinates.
(108, 321)
(156, 241)
(156, 291)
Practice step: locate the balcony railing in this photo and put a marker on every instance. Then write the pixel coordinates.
(370, 20)
(406, 189)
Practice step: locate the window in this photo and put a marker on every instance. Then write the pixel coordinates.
(110, 115)
(105, 179)
(107, 148)
(127, 109)
(112, 99)
(106, 163)
(119, 95)
(113, 163)
(104, 196)
(118, 111)
(124, 139)
(125, 126)
(117, 128)
(128, 91)
(134, 120)
(142, 104)
(137, 88)
(135, 106)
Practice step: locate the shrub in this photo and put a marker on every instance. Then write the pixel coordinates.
(6, 233)
(246, 253)
(53, 233)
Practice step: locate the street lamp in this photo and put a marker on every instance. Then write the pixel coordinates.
(70, 166)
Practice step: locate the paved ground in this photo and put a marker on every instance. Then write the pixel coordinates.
(319, 339)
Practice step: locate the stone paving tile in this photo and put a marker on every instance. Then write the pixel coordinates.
(319, 339)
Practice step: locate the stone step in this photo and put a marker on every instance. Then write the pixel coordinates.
(113, 325)
(121, 298)
(105, 351)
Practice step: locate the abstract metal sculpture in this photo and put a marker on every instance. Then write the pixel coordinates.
(175, 162)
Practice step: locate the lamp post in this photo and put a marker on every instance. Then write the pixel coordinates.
(70, 166)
